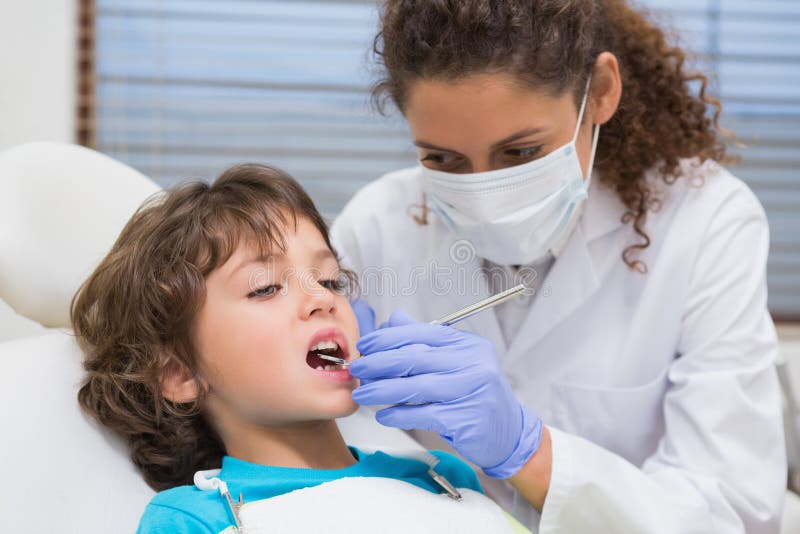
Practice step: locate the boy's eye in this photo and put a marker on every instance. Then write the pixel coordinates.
(266, 291)
(336, 285)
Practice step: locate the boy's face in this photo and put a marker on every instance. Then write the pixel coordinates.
(255, 330)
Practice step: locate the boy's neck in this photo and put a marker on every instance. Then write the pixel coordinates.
(312, 444)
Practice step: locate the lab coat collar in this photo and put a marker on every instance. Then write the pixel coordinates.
(602, 212)
(571, 281)
(576, 273)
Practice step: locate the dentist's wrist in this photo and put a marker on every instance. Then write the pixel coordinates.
(533, 480)
(528, 443)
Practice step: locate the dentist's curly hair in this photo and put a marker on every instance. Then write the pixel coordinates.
(133, 317)
(553, 44)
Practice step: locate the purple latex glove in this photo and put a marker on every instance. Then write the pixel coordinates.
(364, 315)
(447, 381)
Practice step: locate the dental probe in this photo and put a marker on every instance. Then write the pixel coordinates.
(456, 316)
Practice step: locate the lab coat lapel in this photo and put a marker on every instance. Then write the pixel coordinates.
(569, 283)
(575, 274)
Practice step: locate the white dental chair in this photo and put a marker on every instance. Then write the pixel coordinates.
(61, 209)
(65, 474)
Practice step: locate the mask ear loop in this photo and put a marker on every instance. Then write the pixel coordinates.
(583, 107)
(595, 139)
(595, 133)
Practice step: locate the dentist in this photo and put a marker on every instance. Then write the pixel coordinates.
(564, 144)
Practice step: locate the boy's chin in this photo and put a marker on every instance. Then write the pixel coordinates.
(351, 410)
(338, 407)
(345, 409)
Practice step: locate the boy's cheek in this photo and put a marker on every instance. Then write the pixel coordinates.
(350, 323)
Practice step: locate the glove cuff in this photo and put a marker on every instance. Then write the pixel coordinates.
(528, 443)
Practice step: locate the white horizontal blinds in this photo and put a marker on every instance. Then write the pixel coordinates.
(188, 88)
(752, 50)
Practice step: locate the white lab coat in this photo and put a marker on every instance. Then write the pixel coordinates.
(659, 389)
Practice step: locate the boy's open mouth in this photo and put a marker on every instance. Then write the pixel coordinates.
(330, 348)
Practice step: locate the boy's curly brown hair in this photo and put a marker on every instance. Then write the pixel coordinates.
(553, 44)
(133, 316)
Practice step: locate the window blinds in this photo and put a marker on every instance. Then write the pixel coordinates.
(185, 88)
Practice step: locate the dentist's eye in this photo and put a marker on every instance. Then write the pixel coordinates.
(523, 153)
(438, 160)
(264, 292)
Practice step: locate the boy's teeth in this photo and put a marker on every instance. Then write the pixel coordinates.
(330, 367)
(325, 345)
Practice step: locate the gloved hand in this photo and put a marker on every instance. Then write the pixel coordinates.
(447, 381)
(364, 315)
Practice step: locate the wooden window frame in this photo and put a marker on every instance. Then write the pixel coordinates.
(86, 124)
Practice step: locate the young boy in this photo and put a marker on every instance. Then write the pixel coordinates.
(202, 330)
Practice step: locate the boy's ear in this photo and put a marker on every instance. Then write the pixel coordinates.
(177, 382)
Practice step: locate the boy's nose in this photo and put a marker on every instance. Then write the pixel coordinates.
(317, 300)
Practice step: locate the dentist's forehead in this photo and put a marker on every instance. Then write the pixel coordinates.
(482, 110)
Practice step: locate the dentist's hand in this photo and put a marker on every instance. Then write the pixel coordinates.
(364, 315)
(447, 381)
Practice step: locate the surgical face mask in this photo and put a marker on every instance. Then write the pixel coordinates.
(516, 215)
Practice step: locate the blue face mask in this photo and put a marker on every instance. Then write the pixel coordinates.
(516, 215)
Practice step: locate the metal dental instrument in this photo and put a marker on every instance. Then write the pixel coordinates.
(456, 316)
(479, 306)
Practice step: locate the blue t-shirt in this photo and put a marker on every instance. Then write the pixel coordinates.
(186, 509)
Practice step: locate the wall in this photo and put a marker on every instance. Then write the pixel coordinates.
(37, 71)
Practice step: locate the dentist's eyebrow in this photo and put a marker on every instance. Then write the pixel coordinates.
(518, 135)
(431, 146)
(513, 137)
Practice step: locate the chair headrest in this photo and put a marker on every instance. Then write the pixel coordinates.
(61, 209)
(56, 454)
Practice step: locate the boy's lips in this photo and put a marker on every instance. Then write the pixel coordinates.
(327, 369)
(330, 341)
(331, 334)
